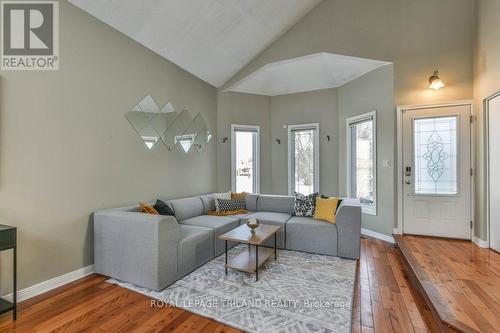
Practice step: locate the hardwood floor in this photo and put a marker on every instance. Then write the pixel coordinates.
(461, 281)
(385, 301)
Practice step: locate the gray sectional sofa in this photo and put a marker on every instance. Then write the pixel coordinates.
(154, 251)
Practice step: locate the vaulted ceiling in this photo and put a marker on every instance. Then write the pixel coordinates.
(211, 39)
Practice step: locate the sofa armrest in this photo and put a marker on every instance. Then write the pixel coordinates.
(349, 229)
(136, 247)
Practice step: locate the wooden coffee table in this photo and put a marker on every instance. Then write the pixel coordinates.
(250, 260)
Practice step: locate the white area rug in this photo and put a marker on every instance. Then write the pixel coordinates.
(300, 292)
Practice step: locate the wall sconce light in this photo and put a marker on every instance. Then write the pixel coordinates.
(435, 82)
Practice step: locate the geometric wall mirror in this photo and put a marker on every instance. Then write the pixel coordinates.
(199, 131)
(139, 117)
(176, 130)
(174, 135)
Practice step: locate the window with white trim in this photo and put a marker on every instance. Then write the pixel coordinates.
(362, 161)
(303, 159)
(245, 157)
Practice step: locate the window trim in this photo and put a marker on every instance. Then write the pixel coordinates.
(316, 175)
(245, 128)
(350, 121)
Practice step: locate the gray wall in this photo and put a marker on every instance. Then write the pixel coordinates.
(416, 36)
(372, 92)
(66, 148)
(330, 108)
(486, 83)
(242, 109)
(309, 107)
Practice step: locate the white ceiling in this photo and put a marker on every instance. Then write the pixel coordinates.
(212, 39)
(311, 72)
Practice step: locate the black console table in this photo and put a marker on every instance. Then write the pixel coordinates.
(8, 240)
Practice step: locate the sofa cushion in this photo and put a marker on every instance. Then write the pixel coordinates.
(220, 225)
(273, 219)
(309, 235)
(210, 221)
(187, 207)
(251, 202)
(242, 216)
(275, 203)
(208, 201)
(195, 248)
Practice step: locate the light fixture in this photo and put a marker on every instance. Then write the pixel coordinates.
(435, 82)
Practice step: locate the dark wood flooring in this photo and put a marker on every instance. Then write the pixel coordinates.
(385, 301)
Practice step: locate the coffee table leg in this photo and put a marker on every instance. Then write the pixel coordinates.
(275, 255)
(226, 257)
(256, 263)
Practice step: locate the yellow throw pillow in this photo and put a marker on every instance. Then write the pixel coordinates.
(326, 209)
(235, 196)
(145, 208)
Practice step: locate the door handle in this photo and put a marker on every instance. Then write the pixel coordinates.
(408, 171)
(408, 175)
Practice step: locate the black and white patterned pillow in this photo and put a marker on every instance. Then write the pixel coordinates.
(235, 204)
(305, 205)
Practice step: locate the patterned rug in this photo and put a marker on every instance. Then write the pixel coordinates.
(300, 292)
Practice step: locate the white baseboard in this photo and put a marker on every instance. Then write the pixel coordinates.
(480, 242)
(53, 283)
(397, 231)
(377, 235)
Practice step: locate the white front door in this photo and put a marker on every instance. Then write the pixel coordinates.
(493, 167)
(437, 171)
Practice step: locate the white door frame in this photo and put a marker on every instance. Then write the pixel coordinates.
(486, 108)
(399, 149)
(234, 129)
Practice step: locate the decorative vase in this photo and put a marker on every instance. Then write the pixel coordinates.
(253, 224)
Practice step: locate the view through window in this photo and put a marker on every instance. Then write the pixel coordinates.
(245, 160)
(303, 160)
(362, 180)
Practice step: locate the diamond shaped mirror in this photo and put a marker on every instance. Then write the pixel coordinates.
(149, 121)
(139, 117)
(199, 131)
(174, 134)
(163, 120)
(143, 127)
